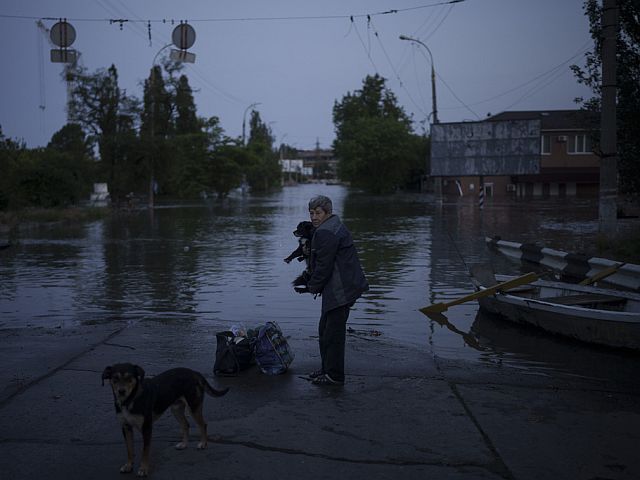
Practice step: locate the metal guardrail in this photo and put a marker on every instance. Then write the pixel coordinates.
(571, 265)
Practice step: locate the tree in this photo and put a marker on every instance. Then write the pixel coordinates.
(225, 168)
(156, 126)
(628, 87)
(188, 174)
(10, 153)
(373, 138)
(260, 136)
(263, 172)
(186, 118)
(107, 114)
(48, 178)
(72, 139)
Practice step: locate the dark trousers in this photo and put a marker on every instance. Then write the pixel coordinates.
(332, 333)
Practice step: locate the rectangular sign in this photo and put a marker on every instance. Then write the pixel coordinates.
(182, 56)
(510, 147)
(63, 55)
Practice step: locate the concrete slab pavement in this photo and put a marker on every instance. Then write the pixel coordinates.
(404, 413)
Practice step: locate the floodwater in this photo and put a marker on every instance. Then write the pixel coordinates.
(221, 263)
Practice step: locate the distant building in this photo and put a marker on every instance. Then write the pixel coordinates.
(568, 166)
(317, 164)
(321, 161)
(295, 168)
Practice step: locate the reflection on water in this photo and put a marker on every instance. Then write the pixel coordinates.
(221, 263)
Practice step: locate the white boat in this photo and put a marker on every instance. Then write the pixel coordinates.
(590, 314)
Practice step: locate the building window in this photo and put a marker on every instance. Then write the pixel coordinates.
(579, 144)
(545, 147)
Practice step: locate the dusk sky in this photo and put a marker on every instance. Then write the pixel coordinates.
(297, 57)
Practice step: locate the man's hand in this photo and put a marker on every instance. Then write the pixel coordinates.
(301, 289)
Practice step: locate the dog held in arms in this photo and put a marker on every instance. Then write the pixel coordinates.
(139, 402)
(304, 232)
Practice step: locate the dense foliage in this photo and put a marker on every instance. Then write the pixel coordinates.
(374, 141)
(55, 176)
(159, 146)
(135, 146)
(628, 86)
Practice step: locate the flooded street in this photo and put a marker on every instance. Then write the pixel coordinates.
(221, 263)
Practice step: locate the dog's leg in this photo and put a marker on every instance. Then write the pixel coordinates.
(196, 413)
(127, 431)
(147, 429)
(178, 411)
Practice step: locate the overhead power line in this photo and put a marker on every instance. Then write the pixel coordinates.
(542, 80)
(242, 19)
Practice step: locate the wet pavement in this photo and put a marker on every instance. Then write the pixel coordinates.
(403, 413)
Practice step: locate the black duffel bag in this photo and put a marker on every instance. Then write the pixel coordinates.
(233, 354)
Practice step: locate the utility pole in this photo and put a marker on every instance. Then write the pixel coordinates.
(437, 185)
(433, 75)
(608, 136)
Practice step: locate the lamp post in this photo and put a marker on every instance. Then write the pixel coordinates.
(433, 75)
(244, 120)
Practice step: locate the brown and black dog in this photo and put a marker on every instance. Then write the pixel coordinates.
(140, 402)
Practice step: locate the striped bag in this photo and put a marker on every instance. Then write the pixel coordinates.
(273, 353)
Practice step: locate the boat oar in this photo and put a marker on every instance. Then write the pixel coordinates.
(516, 282)
(604, 273)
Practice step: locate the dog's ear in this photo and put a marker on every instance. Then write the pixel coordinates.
(106, 375)
(139, 373)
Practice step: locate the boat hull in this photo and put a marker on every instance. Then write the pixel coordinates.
(620, 332)
(607, 327)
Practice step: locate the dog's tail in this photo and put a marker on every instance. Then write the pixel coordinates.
(212, 391)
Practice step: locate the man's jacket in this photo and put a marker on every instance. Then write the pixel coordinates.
(336, 270)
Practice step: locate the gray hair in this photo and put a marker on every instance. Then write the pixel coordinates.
(321, 201)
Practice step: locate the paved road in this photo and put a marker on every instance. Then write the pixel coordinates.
(402, 414)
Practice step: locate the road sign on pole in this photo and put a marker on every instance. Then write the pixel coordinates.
(63, 55)
(182, 56)
(63, 34)
(183, 36)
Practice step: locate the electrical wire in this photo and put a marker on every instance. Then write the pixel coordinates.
(418, 77)
(245, 19)
(427, 37)
(583, 49)
(194, 70)
(355, 28)
(457, 98)
(375, 32)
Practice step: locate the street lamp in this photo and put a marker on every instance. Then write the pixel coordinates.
(244, 120)
(433, 76)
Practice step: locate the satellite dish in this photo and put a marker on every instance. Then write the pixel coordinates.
(63, 34)
(183, 36)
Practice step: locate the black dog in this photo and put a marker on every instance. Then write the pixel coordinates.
(304, 232)
(140, 402)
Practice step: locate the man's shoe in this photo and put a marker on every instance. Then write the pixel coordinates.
(316, 374)
(325, 380)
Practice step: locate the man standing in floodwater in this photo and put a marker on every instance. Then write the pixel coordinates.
(337, 275)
